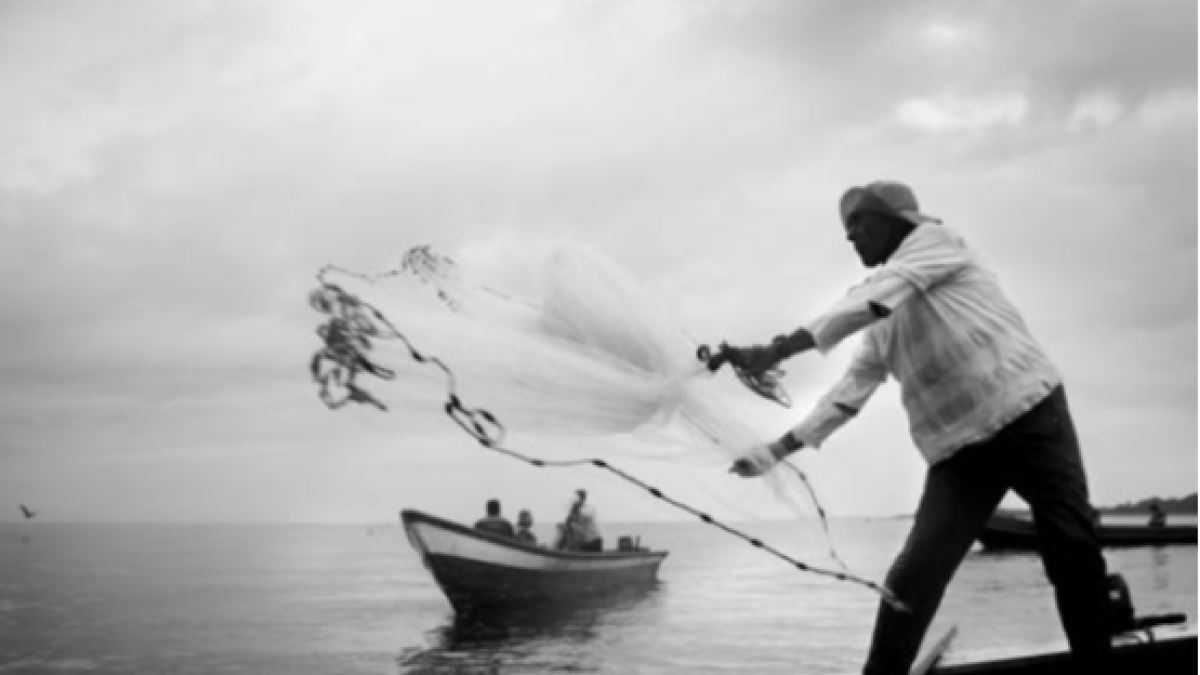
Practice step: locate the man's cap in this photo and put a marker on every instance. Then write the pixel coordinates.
(888, 198)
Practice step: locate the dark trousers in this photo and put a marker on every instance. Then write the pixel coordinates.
(1037, 455)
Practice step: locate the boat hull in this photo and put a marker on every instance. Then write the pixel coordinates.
(1007, 532)
(1167, 650)
(477, 570)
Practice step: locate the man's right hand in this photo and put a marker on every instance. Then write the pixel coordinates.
(754, 360)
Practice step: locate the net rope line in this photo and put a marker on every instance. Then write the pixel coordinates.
(345, 354)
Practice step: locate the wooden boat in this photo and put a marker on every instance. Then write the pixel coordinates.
(1157, 650)
(482, 571)
(1004, 531)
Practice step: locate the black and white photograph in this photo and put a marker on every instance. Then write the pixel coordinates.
(679, 337)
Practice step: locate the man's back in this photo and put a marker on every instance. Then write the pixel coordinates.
(965, 360)
(496, 525)
(585, 524)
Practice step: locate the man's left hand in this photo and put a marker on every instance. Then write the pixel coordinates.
(759, 460)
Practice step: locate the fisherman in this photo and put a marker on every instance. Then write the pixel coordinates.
(986, 408)
(1158, 517)
(579, 532)
(524, 523)
(495, 523)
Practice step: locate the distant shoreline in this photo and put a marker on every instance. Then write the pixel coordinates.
(1170, 505)
(1174, 506)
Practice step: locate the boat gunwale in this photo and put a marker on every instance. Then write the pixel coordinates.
(1014, 658)
(411, 517)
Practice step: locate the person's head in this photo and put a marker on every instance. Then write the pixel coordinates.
(525, 519)
(581, 496)
(493, 507)
(878, 217)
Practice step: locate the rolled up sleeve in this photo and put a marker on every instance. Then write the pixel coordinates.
(866, 372)
(928, 256)
(862, 306)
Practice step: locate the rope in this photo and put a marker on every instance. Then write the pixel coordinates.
(345, 356)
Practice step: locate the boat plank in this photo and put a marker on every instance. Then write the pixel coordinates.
(1160, 650)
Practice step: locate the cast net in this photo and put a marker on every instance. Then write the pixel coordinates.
(585, 353)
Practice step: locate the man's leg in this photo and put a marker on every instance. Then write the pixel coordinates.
(960, 494)
(1050, 477)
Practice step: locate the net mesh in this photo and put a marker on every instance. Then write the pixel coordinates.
(589, 356)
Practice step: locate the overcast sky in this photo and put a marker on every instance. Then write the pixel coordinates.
(173, 174)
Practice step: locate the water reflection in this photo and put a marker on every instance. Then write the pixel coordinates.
(557, 638)
(1161, 572)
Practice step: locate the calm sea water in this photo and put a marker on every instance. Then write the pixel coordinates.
(355, 599)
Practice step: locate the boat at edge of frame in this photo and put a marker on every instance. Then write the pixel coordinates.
(1006, 532)
(1158, 650)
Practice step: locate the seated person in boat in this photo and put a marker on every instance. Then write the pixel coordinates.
(495, 523)
(580, 532)
(1158, 517)
(524, 523)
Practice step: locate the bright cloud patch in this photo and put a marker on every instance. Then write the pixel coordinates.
(949, 113)
(940, 32)
(1094, 112)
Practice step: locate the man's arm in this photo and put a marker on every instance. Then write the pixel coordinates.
(841, 403)
(862, 306)
(930, 255)
(759, 359)
(800, 341)
(873, 301)
(784, 446)
(844, 400)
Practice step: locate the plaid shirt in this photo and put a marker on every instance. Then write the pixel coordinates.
(966, 363)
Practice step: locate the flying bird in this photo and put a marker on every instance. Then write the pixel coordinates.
(27, 512)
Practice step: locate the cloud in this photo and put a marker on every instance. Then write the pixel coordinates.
(173, 175)
(1094, 112)
(950, 114)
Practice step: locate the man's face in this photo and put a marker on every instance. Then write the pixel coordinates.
(874, 237)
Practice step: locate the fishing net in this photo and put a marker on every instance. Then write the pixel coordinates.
(581, 353)
(588, 356)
